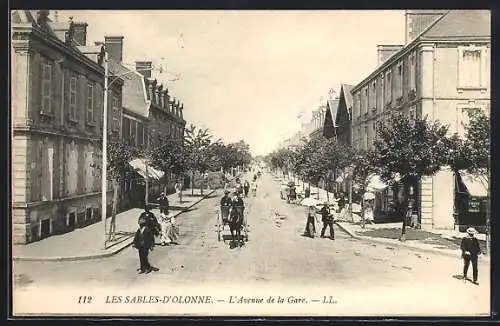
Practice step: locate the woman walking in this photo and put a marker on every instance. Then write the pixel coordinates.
(310, 230)
(169, 231)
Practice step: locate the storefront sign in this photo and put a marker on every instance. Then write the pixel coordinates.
(474, 206)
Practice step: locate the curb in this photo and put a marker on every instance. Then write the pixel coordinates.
(399, 245)
(121, 246)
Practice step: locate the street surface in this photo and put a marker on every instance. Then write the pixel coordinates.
(366, 278)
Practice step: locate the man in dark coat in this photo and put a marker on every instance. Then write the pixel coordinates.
(144, 242)
(151, 221)
(470, 252)
(327, 219)
(163, 202)
(225, 204)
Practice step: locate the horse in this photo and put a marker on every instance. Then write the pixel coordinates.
(236, 224)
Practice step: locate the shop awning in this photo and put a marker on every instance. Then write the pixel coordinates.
(376, 183)
(474, 186)
(146, 171)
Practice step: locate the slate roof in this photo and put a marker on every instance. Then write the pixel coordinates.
(133, 89)
(333, 105)
(460, 24)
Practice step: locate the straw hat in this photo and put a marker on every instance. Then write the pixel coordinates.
(471, 231)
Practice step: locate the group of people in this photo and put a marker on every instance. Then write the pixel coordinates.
(244, 189)
(150, 227)
(326, 218)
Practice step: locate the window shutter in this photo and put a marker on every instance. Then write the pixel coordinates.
(55, 89)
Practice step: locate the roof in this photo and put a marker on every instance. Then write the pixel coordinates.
(455, 24)
(333, 105)
(347, 94)
(461, 23)
(133, 89)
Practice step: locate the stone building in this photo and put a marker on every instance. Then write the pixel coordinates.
(150, 114)
(57, 110)
(442, 73)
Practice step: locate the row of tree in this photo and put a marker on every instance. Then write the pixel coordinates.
(194, 154)
(403, 148)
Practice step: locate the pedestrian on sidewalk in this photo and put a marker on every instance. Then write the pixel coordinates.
(163, 202)
(178, 191)
(327, 219)
(254, 188)
(151, 221)
(144, 242)
(169, 231)
(470, 253)
(310, 230)
(246, 187)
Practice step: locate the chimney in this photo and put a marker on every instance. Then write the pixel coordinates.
(114, 46)
(418, 20)
(42, 16)
(80, 33)
(384, 52)
(144, 68)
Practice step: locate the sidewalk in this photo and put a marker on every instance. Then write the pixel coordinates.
(444, 242)
(87, 243)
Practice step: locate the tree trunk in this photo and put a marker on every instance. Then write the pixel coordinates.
(112, 224)
(317, 192)
(192, 182)
(327, 194)
(202, 183)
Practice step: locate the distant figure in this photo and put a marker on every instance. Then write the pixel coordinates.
(225, 203)
(253, 186)
(163, 201)
(310, 230)
(246, 187)
(178, 191)
(470, 253)
(144, 242)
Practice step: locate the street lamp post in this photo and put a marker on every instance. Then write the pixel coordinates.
(105, 138)
(104, 180)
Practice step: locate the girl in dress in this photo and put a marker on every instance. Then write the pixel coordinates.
(169, 230)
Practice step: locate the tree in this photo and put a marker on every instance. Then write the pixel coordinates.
(197, 142)
(472, 154)
(170, 156)
(119, 155)
(410, 148)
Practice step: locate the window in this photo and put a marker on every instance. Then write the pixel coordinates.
(413, 75)
(358, 103)
(382, 90)
(399, 86)
(140, 134)
(116, 112)
(133, 132)
(46, 88)
(472, 67)
(412, 113)
(72, 97)
(373, 95)
(366, 138)
(90, 103)
(365, 99)
(47, 173)
(388, 85)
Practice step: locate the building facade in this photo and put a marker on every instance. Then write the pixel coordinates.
(150, 114)
(442, 73)
(57, 114)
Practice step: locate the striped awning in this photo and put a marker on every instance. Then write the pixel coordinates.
(474, 186)
(146, 171)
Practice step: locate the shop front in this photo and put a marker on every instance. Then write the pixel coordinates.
(471, 198)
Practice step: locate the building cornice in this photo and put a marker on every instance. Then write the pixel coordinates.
(423, 41)
(20, 41)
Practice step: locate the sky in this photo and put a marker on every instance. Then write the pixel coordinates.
(250, 74)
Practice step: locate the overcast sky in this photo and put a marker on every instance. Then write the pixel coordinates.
(248, 74)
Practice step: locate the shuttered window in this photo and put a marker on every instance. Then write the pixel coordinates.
(46, 87)
(90, 103)
(73, 84)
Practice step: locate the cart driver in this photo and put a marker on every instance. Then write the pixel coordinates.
(225, 204)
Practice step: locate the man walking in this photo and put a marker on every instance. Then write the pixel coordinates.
(163, 202)
(178, 190)
(327, 219)
(470, 252)
(144, 242)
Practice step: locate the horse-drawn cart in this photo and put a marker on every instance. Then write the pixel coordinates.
(234, 218)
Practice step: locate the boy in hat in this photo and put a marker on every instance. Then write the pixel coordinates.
(144, 242)
(470, 252)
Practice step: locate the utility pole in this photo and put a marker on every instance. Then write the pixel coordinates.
(104, 180)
